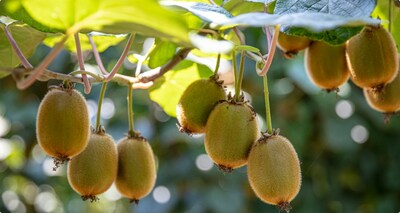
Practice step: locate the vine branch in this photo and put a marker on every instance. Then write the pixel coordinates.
(156, 73)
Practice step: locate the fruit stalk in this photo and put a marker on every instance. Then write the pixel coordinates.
(131, 131)
(100, 103)
(239, 78)
(217, 64)
(267, 106)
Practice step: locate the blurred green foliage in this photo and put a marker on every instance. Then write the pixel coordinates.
(339, 175)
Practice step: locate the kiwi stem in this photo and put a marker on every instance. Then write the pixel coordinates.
(271, 49)
(97, 55)
(37, 72)
(238, 86)
(81, 63)
(100, 103)
(234, 69)
(121, 59)
(131, 131)
(267, 106)
(95, 76)
(390, 16)
(16, 49)
(217, 64)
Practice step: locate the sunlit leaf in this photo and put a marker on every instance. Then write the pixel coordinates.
(161, 54)
(168, 89)
(102, 41)
(208, 45)
(27, 39)
(236, 7)
(115, 17)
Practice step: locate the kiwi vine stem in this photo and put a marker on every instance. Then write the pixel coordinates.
(97, 55)
(390, 16)
(143, 81)
(240, 77)
(271, 49)
(81, 63)
(121, 58)
(131, 131)
(217, 64)
(17, 50)
(234, 70)
(99, 105)
(267, 105)
(23, 84)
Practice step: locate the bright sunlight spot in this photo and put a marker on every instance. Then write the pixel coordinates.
(107, 109)
(161, 194)
(204, 163)
(45, 202)
(47, 167)
(5, 149)
(344, 109)
(344, 90)
(4, 126)
(359, 134)
(112, 193)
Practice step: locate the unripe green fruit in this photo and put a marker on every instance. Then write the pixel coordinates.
(372, 57)
(62, 125)
(326, 65)
(196, 104)
(291, 45)
(273, 171)
(136, 168)
(388, 99)
(94, 170)
(230, 132)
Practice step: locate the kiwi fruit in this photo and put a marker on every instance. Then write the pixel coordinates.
(230, 132)
(326, 65)
(197, 102)
(273, 171)
(136, 168)
(94, 170)
(372, 57)
(388, 99)
(62, 124)
(291, 45)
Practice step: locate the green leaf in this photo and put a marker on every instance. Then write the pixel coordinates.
(381, 11)
(237, 7)
(162, 53)
(114, 17)
(27, 39)
(168, 89)
(345, 8)
(102, 41)
(348, 8)
(15, 10)
(206, 12)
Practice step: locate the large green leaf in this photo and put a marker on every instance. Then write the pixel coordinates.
(381, 11)
(102, 41)
(114, 17)
(27, 39)
(236, 7)
(15, 10)
(168, 89)
(346, 8)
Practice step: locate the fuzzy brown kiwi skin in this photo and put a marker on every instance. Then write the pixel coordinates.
(62, 124)
(136, 168)
(196, 104)
(291, 45)
(273, 171)
(326, 65)
(94, 170)
(230, 132)
(372, 57)
(386, 100)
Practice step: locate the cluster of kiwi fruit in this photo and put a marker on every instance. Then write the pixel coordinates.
(369, 58)
(232, 139)
(95, 161)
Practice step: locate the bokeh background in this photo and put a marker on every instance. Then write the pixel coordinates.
(349, 156)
